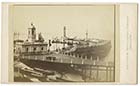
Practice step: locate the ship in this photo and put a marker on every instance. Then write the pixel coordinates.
(88, 47)
(68, 61)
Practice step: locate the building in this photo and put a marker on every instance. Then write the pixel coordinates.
(34, 47)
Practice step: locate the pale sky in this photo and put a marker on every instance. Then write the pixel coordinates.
(50, 20)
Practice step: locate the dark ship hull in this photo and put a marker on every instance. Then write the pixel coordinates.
(46, 65)
(65, 70)
(100, 51)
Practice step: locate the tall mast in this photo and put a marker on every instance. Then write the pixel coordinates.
(64, 31)
(64, 34)
(87, 35)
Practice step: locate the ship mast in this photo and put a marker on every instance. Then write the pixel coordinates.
(64, 36)
(64, 31)
(86, 35)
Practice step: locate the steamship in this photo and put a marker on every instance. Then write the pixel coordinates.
(38, 54)
(91, 48)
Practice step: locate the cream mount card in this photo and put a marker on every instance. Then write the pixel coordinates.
(69, 42)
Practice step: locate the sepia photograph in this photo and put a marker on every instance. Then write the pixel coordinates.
(69, 43)
(63, 43)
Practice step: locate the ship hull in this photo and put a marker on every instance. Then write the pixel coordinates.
(59, 67)
(65, 70)
(94, 51)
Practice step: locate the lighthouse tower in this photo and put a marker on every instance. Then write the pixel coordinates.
(32, 33)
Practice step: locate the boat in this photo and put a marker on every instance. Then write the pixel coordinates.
(36, 54)
(88, 47)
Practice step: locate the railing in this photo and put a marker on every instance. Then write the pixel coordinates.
(30, 53)
(67, 59)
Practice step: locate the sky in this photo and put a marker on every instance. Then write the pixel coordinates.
(98, 20)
